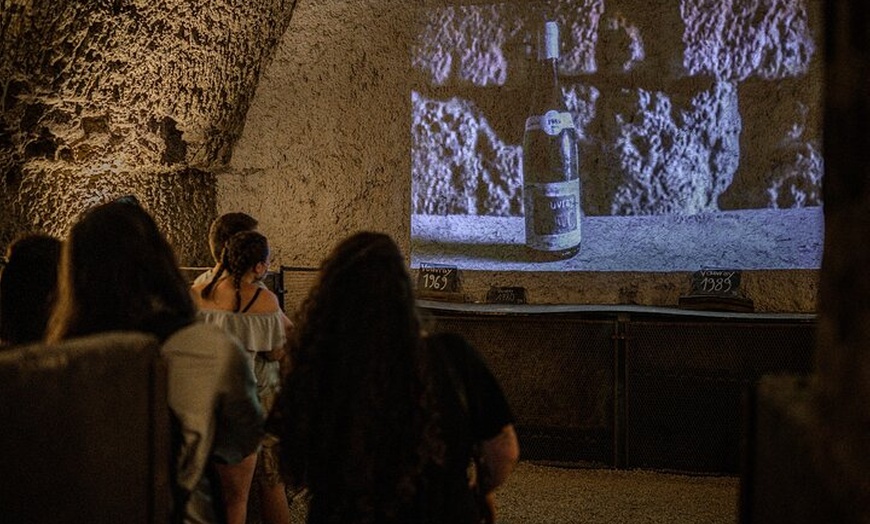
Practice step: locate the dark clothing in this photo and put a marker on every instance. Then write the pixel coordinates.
(472, 409)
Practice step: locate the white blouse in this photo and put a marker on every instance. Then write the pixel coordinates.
(258, 333)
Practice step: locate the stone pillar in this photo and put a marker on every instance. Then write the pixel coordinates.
(843, 360)
(102, 99)
(811, 460)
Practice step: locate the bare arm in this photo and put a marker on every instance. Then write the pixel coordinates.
(285, 354)
(498, 456)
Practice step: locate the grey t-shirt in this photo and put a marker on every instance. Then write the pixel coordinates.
(213, 396)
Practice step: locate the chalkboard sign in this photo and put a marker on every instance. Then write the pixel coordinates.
(438, 278)
(506, 295)
(716, 282)
(717, 290)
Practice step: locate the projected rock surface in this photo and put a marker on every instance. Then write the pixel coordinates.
(472, 170)
(736, 40)
(670, 129)
(667, 159)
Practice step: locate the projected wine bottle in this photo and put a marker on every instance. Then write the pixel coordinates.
(551, 183)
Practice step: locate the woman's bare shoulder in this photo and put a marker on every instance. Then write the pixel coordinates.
(222, 296)
(196, 289)
(267, 302)
(196, 294)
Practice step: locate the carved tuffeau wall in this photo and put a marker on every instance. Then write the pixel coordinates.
(101, 99)
(315, 116)
(687, 108)
(325, 148)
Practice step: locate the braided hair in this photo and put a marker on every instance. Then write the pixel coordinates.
(243, 251)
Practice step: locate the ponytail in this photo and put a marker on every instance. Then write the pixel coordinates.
(242, 252)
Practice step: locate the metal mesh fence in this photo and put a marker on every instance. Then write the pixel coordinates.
(617, 389)
(558, 376)
(296, 283)
(686, 384)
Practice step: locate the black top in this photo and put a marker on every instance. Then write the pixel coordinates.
(472, 409)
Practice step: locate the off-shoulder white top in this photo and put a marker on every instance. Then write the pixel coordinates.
(258, 333)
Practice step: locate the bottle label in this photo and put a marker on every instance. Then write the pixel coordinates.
(552, 122)
(552, 215)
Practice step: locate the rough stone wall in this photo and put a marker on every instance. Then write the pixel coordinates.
(308, 122)
(102, 99)
(682, 107)
(325, 150)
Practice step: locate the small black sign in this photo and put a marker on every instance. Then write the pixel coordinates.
(506, 295)
(716, 282)
(438, 278)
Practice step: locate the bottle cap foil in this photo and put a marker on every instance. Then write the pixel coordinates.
(551, 40)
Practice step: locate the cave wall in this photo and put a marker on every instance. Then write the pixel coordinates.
(313, 116)
(325, 148)
(684, 108)
(102, 99)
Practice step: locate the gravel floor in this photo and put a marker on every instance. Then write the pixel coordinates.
(537, 494)
(548, 495)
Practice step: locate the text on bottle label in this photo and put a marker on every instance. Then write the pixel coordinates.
(552, 122)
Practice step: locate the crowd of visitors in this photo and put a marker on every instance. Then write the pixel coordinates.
(352, 402)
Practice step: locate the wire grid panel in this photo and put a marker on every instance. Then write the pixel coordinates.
(686, 384)
(558, 376)
(297, 282)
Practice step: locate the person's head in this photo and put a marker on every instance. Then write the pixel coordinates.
(27, 287)
(357, 350)
(224, 227)
(245, 252)
(363, 292)
(118, 272)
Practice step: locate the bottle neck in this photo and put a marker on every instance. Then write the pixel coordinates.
(548, 55)
(552, 67)
(548, 86)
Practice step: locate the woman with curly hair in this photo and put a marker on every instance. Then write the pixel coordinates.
(377, 420)
(236, 300)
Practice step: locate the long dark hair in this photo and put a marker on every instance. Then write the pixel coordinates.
(118, 272)
(243, 251)
(28, 286)
(358, 423)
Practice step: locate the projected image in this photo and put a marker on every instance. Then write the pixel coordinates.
(622, 136)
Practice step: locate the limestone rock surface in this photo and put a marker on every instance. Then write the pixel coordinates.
(125, 96)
